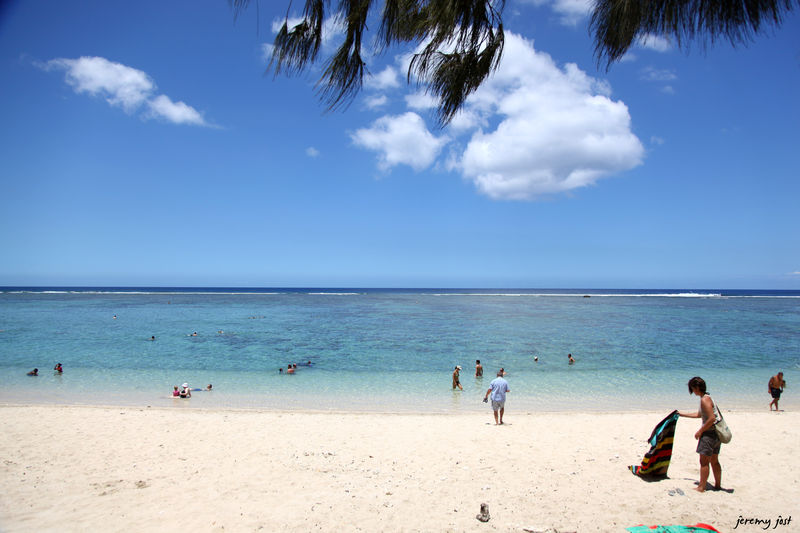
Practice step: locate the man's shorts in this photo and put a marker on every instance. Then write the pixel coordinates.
(709, 443)
(496, 406)
(776, 393)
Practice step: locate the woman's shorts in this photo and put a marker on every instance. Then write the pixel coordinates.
(709, 443)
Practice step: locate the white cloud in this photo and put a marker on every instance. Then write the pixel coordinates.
(402, 139)
(312, 152)
(554, 130)
(466, 120)
(120, 85)
(266, 51)
(123, 86)
(570, 12)
(376, 101)
(654, 42)
(385, 79)
(420, 101)
(558, 131)
(656, 140)
(176, 112)
(654, 74)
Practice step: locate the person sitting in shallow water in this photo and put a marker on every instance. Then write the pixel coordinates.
(175, 392)
(186, 392)
(58, 368)
(34, 372)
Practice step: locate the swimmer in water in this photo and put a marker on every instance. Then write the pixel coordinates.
(571, 360)
(58, 368)
(34, 372)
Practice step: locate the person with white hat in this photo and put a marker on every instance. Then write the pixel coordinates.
(186, 392)
(456, 380)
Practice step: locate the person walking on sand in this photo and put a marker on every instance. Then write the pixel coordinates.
(478, 369)
(775, 386)
(708, 443)
(456, 380)
(498, 389)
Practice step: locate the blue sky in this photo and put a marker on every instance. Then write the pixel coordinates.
(142, 144)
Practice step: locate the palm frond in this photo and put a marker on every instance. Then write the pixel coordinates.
(465, 45)
(295, 48)
(343, 76)
(617, 24)
(455, 76)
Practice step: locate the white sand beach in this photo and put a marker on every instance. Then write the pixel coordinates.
(68, 468)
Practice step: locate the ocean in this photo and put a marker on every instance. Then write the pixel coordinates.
(394, 350)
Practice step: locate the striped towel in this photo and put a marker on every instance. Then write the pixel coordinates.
(656, 461)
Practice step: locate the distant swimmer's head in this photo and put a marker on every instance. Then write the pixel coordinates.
(208, 387)
(477, 361)
(536, 359)
(500, 373)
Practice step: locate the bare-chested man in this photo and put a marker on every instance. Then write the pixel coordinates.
(776, 385)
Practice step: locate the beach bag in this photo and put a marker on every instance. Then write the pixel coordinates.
(721, 427)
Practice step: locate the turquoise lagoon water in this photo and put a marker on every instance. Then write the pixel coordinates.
(394, 350)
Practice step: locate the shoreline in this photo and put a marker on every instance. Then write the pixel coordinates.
(75, 468)
(184, 405)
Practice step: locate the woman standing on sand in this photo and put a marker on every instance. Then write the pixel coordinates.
(708, 443)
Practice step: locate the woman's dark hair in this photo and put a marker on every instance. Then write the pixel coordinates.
(697, 382)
